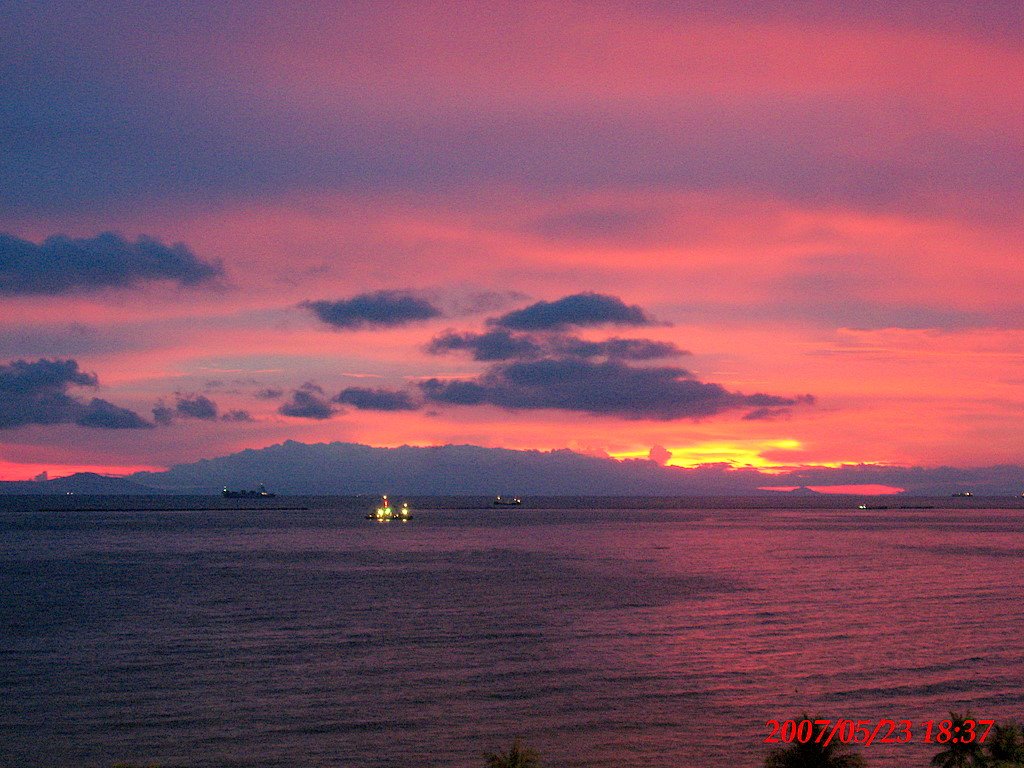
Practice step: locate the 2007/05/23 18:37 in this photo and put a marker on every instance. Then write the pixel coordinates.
(868, 732)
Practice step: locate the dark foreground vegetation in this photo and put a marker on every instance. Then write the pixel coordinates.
(1002, 748)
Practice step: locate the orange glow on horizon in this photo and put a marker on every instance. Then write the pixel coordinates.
(867, 489)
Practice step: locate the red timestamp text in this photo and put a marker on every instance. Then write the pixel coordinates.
(868, 732)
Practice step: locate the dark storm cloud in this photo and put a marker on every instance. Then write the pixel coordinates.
(37, 393)
(494, 345)
(581, 309)
(376, 399)
(768, 413)
(162, 413)
(196, 407)
(105, 415)
(504, 345)
(540, 366)
(608, 388)
(383, 308)
(308, 402)
(237, 415)
(765, 414)
(618, 349)
(63, 264)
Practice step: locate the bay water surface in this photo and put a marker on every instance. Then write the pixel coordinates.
(629, 633)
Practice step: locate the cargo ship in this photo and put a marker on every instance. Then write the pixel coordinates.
(259, 493)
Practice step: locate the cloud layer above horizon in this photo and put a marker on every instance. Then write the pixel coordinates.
(472, 223)
(63, 264)
(37, 393)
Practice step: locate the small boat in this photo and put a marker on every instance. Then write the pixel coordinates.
(507, 501)
(260, 493)
(962, 494)
(386, 513)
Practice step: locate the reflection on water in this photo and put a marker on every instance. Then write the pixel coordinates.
(603, 637)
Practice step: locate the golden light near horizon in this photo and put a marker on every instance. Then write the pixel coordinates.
(746, 454)
(738, 454)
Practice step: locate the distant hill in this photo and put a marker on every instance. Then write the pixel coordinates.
(78, 483)
(351, 468)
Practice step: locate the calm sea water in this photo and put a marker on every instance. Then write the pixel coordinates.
(611, 636)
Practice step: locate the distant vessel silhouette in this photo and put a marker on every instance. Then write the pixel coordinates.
(901, 506)
(512, 501)
(259, 493)
(962, 494)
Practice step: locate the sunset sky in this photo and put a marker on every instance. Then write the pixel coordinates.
(768, 234)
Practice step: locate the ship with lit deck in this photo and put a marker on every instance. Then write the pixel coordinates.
(386, 512)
